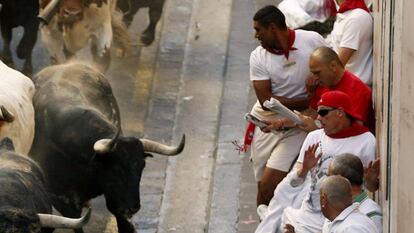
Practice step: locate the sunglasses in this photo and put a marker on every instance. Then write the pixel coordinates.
(324, 112)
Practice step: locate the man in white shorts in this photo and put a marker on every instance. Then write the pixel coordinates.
(278, 68)
(352, 36)
(296, 199)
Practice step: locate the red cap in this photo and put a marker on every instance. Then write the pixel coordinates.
(339, 99)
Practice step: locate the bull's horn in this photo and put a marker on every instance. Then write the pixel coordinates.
(104, 146)
(153, 146)
(5, 115)
(55, 221)
(46, 14)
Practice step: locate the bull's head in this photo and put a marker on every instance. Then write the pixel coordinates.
(14, 220)
(124, 161)
(69, 11)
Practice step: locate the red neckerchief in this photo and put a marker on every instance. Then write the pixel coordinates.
(329, 8)
(248, 138)
(291, 41)
(352, 4)
(354, 130)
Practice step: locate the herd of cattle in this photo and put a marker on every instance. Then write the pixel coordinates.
(67, 26)
(61, 142)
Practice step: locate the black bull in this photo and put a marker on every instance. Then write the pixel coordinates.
(79, 144)
(24, 203)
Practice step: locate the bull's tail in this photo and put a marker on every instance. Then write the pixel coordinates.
(121, 36)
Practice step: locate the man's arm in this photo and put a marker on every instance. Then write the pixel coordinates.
(263, 89)
(345, 54)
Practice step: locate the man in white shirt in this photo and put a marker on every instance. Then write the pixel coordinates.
(337, 206)
(352, 36)
(296, 199)
(278, 69)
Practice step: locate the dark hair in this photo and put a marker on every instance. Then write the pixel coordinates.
(350, 167)
(270, 14)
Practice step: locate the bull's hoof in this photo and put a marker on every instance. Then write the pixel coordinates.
(124, 226)
(147, 37)
(7, 59)
(27, 70)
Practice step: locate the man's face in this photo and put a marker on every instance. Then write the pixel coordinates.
(323, 202)
(322, 72)
(266, 35)
(329, 119)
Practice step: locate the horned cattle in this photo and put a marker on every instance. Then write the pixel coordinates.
(80, 145)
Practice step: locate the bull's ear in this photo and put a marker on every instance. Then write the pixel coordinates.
(6, 144)
(5, 115)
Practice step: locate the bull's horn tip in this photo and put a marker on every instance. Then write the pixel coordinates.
(182, 144)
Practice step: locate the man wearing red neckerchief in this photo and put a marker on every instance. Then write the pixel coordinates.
(278, 68)
(352, 38)
(296, 199)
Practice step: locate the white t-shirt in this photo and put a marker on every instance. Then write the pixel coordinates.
(350, 220)
(368, 207)
(287, 76)
(353, 29)
(362, 145)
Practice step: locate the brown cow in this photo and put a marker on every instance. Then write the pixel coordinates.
(75, 23)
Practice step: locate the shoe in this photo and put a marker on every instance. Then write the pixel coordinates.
(261, 211)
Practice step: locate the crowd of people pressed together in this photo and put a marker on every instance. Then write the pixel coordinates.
(315, 176)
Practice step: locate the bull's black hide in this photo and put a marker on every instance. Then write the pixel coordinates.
(16, 13)
(74, 110)
(131, 7)
(22, 194)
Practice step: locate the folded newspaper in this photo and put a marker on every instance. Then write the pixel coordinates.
(282, 110)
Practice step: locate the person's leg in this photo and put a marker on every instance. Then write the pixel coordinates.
(279, 163)
(267, 185)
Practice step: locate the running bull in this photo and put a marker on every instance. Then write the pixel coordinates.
(130, 7)
(69, 25)
(24, 203)
(79, 144)
(15, 13)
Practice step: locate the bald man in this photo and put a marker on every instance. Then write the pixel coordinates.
(350, 167)
(296, 199)
(329, 74)
(337, 206)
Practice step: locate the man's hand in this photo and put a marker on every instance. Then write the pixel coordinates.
(288, 229)
(311, 159)
(311, 83)
(277, 124)
(371, 175)
(308, 123)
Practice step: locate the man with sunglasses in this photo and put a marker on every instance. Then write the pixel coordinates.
(329, 74)
(296, 199)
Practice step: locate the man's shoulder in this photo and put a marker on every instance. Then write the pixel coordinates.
(315, 135)
(370, 207)
(359, 17)
(308, 35)
(351, 78)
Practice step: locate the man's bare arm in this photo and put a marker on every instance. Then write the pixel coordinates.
(263, 89)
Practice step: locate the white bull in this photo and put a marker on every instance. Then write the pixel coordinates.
(16, 112)
(76, 23)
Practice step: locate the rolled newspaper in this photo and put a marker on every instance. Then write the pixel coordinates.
(275, 106)
(250, 118)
